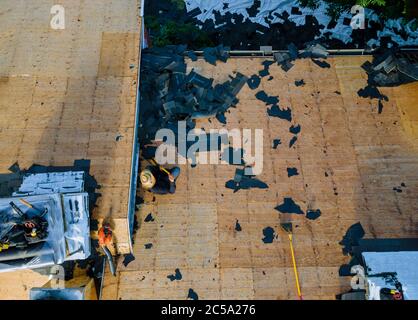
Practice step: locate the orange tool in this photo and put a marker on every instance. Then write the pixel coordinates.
(105, 240)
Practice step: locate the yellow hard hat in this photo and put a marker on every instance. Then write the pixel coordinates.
(147, 179)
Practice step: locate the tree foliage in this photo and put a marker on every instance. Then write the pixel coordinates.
(386, 8)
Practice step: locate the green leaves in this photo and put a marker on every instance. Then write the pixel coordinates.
(368, 3)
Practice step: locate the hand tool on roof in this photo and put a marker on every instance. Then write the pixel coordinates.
(4, 246)
(35, 250)
(105, 239)
(25, 232)
(288, 228)
(16, 209)
(29, 205)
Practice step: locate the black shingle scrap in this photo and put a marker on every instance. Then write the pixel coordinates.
(276, 143)
(295, 129)
(169, 94)
(300, 83)
(176, 276)
(322, 64)
(263, 96)
(292, 172)
(192, 295)
(389, 68)
(211, 55)
(128, 258)
(313, 214)
(275, 111)
(254, 82)
(269, 235)
(351, 238)
(289, 206)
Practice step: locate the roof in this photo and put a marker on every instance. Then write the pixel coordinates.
(349, 158)
(70, 94)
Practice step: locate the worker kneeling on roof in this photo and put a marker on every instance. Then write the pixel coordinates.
(159, 180)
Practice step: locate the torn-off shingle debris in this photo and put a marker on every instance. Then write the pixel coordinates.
(149, 218)
(242, 181)
(237, 226)
(313, 51)
(321, 63)
(399, 189)
(389, 68)
(254, 82)
(295, 129)
(211, 55)
(176, 276)
(351, 238)
(268, 234)
(289, 206)
(313, 214)
(248, 25)
(263, 96)
(266, 68)
(380, 107)
(292, 172)
(293, 141)
(254, 9)
(300, 83)
(284, 114)
(276, 143)
(191, 55)
(192, 295)
(284, 59)
(372, 92)
(275, 110)
(169, 94)
(128, 259)
(14, 168)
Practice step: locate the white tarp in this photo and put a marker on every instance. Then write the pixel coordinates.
(403, 263)
(268, 7)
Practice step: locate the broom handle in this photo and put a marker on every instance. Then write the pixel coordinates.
(26, 203)
(295, 270)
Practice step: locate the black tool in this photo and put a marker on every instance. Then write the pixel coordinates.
(16, 209)
(29, 205)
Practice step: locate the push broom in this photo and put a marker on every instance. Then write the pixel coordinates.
(287, 226)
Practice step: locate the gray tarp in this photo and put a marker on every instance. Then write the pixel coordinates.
(68, 220)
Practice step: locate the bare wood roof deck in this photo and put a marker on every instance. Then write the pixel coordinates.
(349, 158)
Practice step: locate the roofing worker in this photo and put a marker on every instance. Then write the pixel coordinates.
(159, 180)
